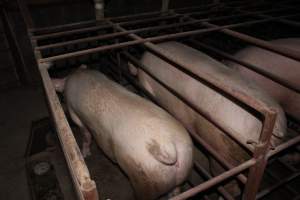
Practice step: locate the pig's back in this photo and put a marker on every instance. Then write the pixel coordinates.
(283, 67)
(233, 118)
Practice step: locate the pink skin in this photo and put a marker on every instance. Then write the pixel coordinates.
(151, 147)
(280, 66)
(231, 116)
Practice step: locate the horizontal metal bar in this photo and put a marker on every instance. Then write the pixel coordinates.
(100, 27)
(276, 185)
(150, 39)
(258, 42)
(220, 189)
(284, 146)
(214, 181)
(248, 66)
(117, 34)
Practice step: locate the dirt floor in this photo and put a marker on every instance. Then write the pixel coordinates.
(19, 107)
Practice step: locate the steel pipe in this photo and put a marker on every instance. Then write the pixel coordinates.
(218, 179)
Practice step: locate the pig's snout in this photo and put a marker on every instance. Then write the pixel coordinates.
(164, 153)
(59, 84)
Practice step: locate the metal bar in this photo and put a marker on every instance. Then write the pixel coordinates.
(126, 17)
(57, 28)
(267, 191)
(220, 189)
(284, 146)
(218, 179)
(258, 42)
(284, 21)
(248, 66)
(151, 28)
(276, 179)
(85, 187)
(214, 153)
(256, 172)
(150, 39)
(99, 27)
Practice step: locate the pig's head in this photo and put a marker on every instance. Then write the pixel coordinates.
(59, 83)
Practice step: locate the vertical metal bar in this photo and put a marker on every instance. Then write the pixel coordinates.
(260, 154)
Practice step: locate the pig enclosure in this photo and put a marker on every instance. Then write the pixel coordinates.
(218, 30)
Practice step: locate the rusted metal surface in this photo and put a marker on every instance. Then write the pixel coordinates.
(85, 187)
(115, 29)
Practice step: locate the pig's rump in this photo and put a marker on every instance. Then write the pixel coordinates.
(231, 116)
(277, 65)
(152, 148)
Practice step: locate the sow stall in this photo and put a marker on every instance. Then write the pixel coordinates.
(119, 40)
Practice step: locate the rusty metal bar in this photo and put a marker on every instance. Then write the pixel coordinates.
(256, 172)
(218, 179)
(151, 28)
(150, 39)
(284, 146)
(258, 42)
(247, 65)
(276, 179)
(100, 27)
(220, 189)
(85, 187)
(266, 191)
(284, 21)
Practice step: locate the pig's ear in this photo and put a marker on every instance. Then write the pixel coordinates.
(83, 66)
(132, 69)
(58, 84)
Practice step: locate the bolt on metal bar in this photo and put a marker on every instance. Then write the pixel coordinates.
(149, 39)
(218, 179)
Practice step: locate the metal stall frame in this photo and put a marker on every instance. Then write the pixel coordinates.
(85, 186)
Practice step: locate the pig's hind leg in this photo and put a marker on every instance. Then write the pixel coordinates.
(87, 138)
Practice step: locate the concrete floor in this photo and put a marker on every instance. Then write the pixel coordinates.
(19, 107)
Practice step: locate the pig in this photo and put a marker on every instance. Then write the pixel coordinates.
(280, 66)
(150, 146)
(231, 116)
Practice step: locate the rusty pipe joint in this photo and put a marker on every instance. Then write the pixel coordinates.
(99, 9)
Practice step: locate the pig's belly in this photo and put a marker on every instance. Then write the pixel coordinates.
(195, 123)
